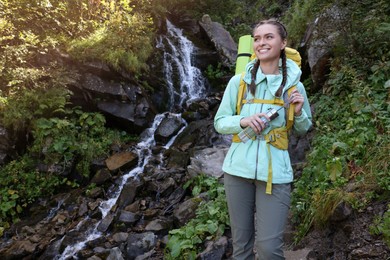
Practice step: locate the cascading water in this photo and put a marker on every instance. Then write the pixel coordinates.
(185, 83)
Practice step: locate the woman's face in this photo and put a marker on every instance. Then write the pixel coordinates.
(268, 43)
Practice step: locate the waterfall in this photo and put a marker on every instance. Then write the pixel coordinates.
(185, 81)
(189, 86)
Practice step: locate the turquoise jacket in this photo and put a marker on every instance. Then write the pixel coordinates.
(250, 159)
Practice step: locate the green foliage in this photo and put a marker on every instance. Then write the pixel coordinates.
(301, 14)
(20, 110)
(124, 42)
(76, 139)
(115, 32)
(71, 141)
(21, 185)
(381, 226)
(210, 221)
(215, 74)
(351, 121)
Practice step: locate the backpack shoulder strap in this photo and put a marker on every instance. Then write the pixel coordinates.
(240, 96)
(290, 110)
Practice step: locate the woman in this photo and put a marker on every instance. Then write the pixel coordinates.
(249, 166)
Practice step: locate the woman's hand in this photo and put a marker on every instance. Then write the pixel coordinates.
(297, 99)
(254, 122)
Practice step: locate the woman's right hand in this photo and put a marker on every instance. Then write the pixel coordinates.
(254, 122)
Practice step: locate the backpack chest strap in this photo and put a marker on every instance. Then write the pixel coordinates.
(278, 102)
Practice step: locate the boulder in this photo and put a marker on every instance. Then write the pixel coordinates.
(319, 42)
(138, 244)
(222, 40)
(186, 211)
(208, 161)
(169, 126)
(123, 160)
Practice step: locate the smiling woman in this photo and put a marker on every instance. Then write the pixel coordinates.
(267, 45)
(258, 172)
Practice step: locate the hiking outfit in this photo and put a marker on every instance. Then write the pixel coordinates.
(248, 165)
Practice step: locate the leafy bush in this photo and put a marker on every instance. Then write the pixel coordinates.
(124, 43)
(77, 138)
(19, 111)
(21, 185)
(210, 221)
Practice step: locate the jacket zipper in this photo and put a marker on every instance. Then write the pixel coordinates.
(258, 141)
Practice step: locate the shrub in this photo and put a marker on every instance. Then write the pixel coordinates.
(210, 221)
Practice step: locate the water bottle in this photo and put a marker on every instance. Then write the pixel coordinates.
(249, 133)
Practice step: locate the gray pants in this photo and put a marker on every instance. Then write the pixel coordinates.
(246, 198)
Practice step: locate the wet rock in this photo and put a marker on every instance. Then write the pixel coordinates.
(169, 126)
(86, 253)
(115, 254)
(94, 258)
(151, 213)
(35, 239)
(128, 194)
(128, 217)
(145, 256)
(215, 250)
(95, 243)
(198, 133)
(124, 161)
(51, 251)
(160, 225)
(18, 250)
(208, 161)
(186, 211)
(101, 176)
(120, 237)
(177, 158)
(83, 209)
(124, 103)
(134, 207)
(95, 193)
(101, 252)
(162, 188)
(94, 204)
(138, 244)
(105, 223)
(197, 109)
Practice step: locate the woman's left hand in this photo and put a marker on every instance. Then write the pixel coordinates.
(297, 99)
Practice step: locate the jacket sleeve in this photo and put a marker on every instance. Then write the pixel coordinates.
(303, 122)
(226, 121)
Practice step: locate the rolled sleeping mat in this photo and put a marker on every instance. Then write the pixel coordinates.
(244, 53)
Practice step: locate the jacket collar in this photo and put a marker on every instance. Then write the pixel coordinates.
(273, 82)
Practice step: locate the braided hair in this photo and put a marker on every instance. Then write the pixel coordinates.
(283, 34)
